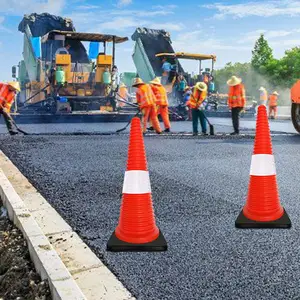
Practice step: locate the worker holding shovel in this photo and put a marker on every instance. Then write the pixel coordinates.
(195, 103)
(146, 102)
(8, 92)
(236, 101)
(161, 102)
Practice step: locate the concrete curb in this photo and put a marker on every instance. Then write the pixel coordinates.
(44, 257)
(78, 273)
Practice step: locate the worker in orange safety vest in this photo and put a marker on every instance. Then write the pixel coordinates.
(8, 92)
(273, 105)
(263, 96)
(161, 102)
(196, 104)
(123, 94)
(236, 101)
(146, 102)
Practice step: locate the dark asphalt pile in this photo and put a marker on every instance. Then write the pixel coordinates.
(199, 188)
(18, 278)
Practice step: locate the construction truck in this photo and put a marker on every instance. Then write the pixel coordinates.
(57, 74)
(295, 110)
(152, 45)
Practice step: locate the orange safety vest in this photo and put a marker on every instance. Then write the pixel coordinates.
(145, 96)
(123, 92)
(273, 100)
(160, 95)
(196, 98)
(7, 97)
(236, 96)
(263, 96)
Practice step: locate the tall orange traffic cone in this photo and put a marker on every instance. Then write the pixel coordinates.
(263, 208)
(137, 230)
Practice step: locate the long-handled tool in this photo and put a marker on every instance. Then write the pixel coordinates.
(14, 123)
(134, 105)
(37, 93)
(131, 104)
(211, 127)
(122, 129)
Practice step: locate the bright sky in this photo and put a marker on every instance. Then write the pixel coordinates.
(225, 28)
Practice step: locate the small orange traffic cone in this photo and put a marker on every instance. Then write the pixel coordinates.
(263, 208)
(137, 230)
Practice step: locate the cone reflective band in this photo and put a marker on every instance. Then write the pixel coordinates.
(263, 208)
(136, 182)
(137, 230)
(262, 165)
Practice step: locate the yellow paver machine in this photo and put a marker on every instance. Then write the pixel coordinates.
(64, 78)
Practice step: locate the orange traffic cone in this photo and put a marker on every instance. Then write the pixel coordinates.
(263, 208)
(137, 230)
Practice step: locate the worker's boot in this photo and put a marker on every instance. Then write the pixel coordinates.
(12, 132)
(150, 128)
(234, 133)
(167, 130)
(195, 133)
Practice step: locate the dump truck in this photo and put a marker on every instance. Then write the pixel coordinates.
(152, 45)
(57, 74)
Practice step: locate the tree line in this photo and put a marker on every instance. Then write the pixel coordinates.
(263, 70)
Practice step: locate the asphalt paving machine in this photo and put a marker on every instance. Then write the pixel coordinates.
(57, 74)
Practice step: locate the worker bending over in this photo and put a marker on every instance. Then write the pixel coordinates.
(8, 92)
(236, 101)
(273, 105)
(146, 102)
(195, 103)
(161, 102)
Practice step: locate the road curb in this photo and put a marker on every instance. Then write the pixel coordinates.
(59, 255)
(44, 257)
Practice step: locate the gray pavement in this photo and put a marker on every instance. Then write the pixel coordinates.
(222, 125)
(199, 186)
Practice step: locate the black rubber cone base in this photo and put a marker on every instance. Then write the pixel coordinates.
(244, 222)
(116, 245)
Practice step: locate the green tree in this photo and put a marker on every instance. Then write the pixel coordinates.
(261, 54)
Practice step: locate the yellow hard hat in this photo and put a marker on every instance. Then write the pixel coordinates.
(122, 85)
(201, 86)
(234, 81)
(275, 93)
(138, 81)
(15, 85)
(156, 81)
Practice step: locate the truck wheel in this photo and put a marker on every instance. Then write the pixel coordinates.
(296, 116)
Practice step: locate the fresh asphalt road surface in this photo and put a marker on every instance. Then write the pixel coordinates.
(199, 186)
(222, 125)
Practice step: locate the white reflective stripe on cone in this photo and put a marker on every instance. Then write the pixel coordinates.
(262, 165)
(136, 182)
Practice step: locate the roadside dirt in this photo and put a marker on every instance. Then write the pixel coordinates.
(18, 278)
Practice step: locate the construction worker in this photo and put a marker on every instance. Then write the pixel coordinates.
(8, 92)
(166, 69)
(123, 94)
(273, 105)
(161, 102)
(195, 103)
(146, 102)
(263, 96)
(236, 101)
(63, 50)
(186, 98)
